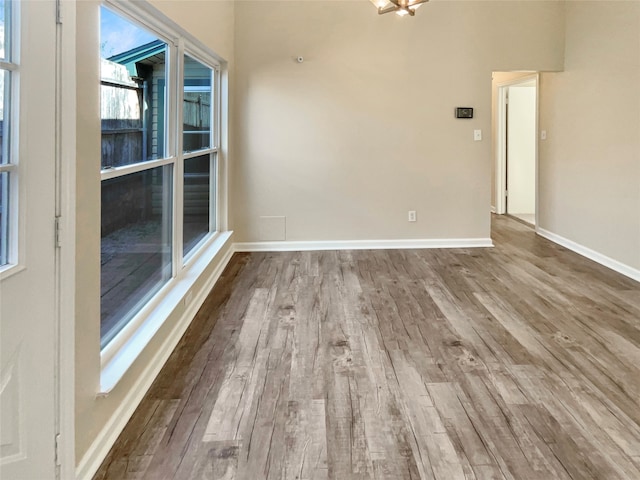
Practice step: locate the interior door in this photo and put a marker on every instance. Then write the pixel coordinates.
(27, 284)
(521, 151)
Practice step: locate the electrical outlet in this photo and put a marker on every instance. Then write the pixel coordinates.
(412, 215)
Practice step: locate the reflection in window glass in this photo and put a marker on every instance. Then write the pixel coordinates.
(136, 244)
(8, 220)
(5, 29)
(197, 204)
(4, 218)
(196, 108)
(133, 92)
(5, 115)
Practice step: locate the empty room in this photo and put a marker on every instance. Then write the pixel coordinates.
(319, 239)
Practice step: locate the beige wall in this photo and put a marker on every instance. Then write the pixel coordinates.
(212, 24)
(347, 142)
(590, 163)
(87, 372)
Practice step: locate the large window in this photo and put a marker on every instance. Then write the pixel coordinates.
(8, 160)
(199, 150)
(158, 174)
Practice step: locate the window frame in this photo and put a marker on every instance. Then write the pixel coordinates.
(14, 221)
(179, 43)
(213, 151)
(169, 159)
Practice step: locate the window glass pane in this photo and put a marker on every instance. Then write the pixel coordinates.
(196, 108)
(4, 218)
(5, 115)
(136, 244)
(133, 92)
(197, 204)
(5, 29)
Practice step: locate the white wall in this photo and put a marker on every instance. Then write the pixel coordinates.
(590, 163)
(347, 142)
(212, 23)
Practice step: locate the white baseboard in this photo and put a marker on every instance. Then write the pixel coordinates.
(591, 254)
(103, 442)
(493, 209)
(362, 245)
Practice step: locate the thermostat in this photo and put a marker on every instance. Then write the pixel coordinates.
(464, 112)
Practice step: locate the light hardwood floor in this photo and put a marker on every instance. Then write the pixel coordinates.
(517, 362)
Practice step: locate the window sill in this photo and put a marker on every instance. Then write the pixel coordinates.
(9, 270)
(120, 354)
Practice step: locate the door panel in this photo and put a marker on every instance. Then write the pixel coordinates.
(521, 150)
(27, 296)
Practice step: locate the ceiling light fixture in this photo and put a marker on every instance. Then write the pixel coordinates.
(401, 7)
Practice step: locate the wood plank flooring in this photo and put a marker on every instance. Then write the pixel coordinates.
(518, 362)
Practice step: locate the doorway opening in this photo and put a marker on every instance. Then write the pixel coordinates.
(516, 145)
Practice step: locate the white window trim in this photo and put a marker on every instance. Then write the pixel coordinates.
(178, 172)
(16, 214)
(212, 151)
(11, 66)
(116, 172)
(154, 21)
(121, 352)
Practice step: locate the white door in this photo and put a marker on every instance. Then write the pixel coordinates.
(521, 152)
(27, 283)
